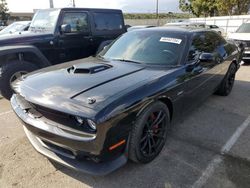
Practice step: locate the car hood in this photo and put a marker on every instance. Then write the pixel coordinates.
(239, 36)
(90, 83)
(26, 37)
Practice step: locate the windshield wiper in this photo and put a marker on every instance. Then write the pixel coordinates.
(127, 60)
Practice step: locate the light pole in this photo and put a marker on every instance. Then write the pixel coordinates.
(51, 4)
(74, 4)
(157, 12)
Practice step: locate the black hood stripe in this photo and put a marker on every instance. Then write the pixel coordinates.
(106, 82)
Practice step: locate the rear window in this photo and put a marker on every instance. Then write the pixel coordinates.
(108, 21)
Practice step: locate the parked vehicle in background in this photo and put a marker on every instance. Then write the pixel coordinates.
(242, 36)
(199, 25)
(132, 28)
(2, 25)
(16, 27)
(94, 114)
(216, 28)
(56, 36)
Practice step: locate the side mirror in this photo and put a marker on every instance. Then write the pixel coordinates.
(127, 26)
(206, 57)
(66, 28)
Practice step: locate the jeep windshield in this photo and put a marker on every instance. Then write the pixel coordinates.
(44, 20)
(146, 47)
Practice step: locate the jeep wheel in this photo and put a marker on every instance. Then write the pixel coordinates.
(10, 72)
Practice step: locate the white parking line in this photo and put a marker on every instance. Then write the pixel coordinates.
(218, 158)
(4, 113)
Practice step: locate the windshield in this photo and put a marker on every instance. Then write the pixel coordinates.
(244, 28)
(147, 47)
(12, 28)
(44, 20)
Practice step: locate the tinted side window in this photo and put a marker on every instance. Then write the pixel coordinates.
(78, 21)
(108, 21)
(207, 42)
(197, 47)
(219, 43)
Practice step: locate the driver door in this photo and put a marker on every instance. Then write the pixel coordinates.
(76, 43)
(202, 75)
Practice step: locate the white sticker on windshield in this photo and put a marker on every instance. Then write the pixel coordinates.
(170, 40)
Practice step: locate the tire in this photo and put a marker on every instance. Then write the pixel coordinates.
(7, 73)
(146, 133)
(226, 86)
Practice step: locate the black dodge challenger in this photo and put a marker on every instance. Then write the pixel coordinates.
(94, 114)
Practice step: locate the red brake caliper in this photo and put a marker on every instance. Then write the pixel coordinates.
(155, 127)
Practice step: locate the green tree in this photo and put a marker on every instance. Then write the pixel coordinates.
(232, 7)
(215, 7)
(204, 7)
(225, 7)
(4, 15)
(185, 5)
(242, 6)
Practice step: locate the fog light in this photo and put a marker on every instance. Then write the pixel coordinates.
(79, 120)
(92, 124)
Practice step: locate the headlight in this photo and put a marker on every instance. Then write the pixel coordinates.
(89, 123)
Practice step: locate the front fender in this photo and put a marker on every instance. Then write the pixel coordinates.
(8, 50)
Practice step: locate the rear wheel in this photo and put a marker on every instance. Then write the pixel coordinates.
(10, 72)
(227, 84)
(149, 133)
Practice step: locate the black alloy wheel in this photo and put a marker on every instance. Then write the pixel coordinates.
(149, 133)
(153, 133)
(230, 79)
(227, 84)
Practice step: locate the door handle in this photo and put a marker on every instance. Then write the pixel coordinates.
(89, 38)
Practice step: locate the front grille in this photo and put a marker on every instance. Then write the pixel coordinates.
(67, 120)
(62, 118)
(247, 43)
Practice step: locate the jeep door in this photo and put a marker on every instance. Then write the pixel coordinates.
(76, 41)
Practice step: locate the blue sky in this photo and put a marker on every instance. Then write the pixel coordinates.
(125, 5)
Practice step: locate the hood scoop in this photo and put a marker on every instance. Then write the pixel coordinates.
(87, 70)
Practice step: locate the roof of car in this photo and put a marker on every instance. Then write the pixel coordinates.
(184, 30)
(95, 9)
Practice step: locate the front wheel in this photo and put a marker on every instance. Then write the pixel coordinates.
(10, 72)
(149, 133)
(227, 84)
